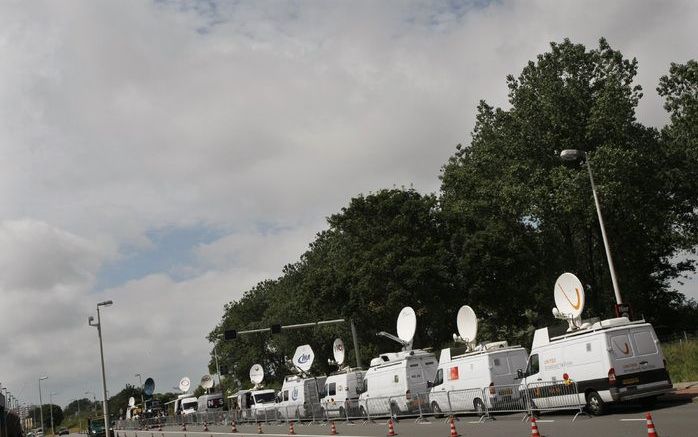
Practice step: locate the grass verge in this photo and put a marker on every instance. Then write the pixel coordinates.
(682, 360)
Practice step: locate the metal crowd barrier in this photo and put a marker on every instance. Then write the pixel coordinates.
(529, 399)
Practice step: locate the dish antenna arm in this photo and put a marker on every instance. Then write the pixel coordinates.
(406, 345)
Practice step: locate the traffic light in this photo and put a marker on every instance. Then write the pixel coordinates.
(276, 328)
(230, 334)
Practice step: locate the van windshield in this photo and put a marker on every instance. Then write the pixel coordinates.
(263, 398)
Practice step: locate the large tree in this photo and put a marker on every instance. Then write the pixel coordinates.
(518, 216)
(383, 251)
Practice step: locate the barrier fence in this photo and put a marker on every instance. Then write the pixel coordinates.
(528, 399)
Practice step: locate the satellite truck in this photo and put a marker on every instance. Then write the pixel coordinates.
(397, 382)
(609, 360)
(257, 402)
(464, 370)
(343, 387)
(185, 402)
(300, 393)
(210, 402)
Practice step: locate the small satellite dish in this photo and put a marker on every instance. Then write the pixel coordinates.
(184, 384)
(149, 387)
(466, 320)
(131, 401)
(406, 324)
(338, 351)
(569, 295)
(256, 374)
(206, 381)
(304, 357)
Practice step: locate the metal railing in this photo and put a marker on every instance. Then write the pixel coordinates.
(528, 399)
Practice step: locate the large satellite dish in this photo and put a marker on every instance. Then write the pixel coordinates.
(406, 324)
(467, 324)
(149, 387)
(131, 401)
(256, 374)
(338, 351)
(303, 358)
(184, 384)
(206, 381)
(569, 295)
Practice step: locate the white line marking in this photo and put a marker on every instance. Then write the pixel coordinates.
(241, 434)
(544, 421)
(632, 420)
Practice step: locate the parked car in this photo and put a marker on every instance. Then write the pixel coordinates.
(62, 431)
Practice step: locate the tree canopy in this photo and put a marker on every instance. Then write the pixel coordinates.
(510, 217)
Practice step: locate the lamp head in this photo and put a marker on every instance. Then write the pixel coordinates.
(571, 154)
(43, 377)
(106, 303)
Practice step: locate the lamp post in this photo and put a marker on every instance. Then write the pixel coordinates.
(50, 405)
(140, 385)
(98, 325)
(41, 402)
(574, 155)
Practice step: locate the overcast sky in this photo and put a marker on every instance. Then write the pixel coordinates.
(170, 155)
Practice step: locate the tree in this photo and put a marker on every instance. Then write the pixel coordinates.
(381, 252)
(518, 217)
(48, 408)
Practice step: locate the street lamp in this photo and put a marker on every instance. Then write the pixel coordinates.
(140, 384)
(98, 325)
(574, 155)
(50, 405)
(94, 400)
(41, 402)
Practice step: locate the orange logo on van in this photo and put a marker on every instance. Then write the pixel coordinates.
(579, 300)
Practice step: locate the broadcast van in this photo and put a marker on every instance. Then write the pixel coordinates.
(300, 397)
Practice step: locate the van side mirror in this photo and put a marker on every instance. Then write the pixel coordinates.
(430, 384)
(519, 374)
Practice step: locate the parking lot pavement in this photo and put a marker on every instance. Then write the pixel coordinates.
(672, 420)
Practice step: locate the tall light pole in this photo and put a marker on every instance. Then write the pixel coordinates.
(98, 325)
(50, 405)
(574, 155)
(140, 385)
(41, 403)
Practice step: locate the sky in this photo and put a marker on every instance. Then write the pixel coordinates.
(169, 155)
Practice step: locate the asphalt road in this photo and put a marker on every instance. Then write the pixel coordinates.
(671, 420)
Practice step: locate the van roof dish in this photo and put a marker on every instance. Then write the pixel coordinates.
(569, 300)
(149, 386)
(406, 324)
(338, 351)
(466, 320)
(184, 384)
(131, 401)
(256, 374)
(303, 358)
(206, 381)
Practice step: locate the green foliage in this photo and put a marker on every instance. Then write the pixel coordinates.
(117, 404)
(682, 360)
(48, 408)
(510, 217)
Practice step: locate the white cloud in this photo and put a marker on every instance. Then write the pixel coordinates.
(119, 118)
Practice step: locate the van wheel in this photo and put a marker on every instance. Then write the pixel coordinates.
(479, 406)
(436, 409)
(342, 412)
(394, 410)
(362, 412)
(595, 405)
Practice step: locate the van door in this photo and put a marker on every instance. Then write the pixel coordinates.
(622, 353)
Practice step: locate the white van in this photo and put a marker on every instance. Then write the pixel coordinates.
(610, 361)
(300, 397)
(397, 382)
(211, 402)
(465, 374)
(185, 404)
(255, 404)
(342, 390)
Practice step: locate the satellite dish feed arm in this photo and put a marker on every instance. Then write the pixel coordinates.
(403, 343)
